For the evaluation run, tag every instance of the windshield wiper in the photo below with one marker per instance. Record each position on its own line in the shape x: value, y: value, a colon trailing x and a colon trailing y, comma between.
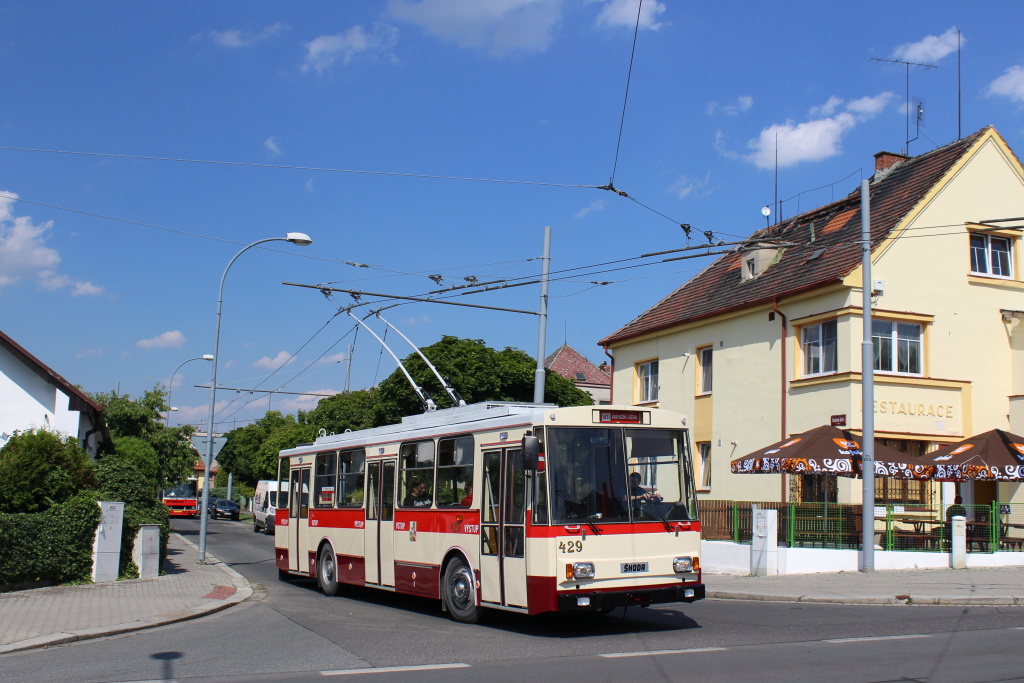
x: 589, y: 519
x: 658, y: 513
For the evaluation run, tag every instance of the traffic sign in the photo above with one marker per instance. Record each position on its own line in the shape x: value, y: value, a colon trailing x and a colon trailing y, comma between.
x: 200, y: 442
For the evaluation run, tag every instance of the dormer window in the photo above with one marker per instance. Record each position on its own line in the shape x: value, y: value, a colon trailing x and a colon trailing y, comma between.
x: 756, y: 259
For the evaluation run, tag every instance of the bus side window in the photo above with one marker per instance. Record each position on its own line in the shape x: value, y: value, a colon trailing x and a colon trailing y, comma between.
x: 455, y: 472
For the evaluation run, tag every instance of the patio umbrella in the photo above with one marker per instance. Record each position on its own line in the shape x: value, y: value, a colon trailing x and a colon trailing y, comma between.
x: 994, y: 455
x: 828, y: 450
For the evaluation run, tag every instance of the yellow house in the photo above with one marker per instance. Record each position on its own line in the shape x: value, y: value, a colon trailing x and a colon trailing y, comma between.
x: 766, y: 342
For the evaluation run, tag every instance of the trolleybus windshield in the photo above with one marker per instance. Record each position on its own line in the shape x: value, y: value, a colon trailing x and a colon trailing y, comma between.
x: 618, y: 475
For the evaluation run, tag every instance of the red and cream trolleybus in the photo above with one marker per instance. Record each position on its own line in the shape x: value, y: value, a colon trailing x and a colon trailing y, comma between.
x: 523, y: 507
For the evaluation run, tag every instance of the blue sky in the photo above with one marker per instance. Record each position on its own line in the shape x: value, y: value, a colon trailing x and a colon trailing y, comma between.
x: 428, y: 137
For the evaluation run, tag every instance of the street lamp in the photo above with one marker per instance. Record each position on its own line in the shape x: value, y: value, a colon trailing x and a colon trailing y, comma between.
x: 298, y: 238
x: 170, y: 385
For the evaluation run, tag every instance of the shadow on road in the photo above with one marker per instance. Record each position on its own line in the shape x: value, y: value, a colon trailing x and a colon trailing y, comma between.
x: 619, y: 621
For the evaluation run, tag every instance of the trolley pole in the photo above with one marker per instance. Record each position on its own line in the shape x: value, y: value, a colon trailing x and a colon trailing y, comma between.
x: 542, y: 326
x: 867, y: 362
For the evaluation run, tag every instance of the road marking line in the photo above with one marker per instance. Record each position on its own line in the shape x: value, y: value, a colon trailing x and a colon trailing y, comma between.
x: 393, y: 669
x: 870, y: 638
x: 649, y: 653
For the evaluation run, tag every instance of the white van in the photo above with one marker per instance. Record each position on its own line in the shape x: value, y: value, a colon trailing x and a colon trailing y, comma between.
x: 264, y: 502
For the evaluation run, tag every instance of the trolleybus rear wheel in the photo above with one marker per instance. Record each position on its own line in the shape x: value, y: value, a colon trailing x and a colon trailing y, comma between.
x: 327, y: 571
x: 460, y: 592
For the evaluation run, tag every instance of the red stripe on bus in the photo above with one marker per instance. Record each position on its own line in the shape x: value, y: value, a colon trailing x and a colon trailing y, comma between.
x: 417, y: 579
x: 454, y: 521
x: 351, y: 569
x: 623, y: 529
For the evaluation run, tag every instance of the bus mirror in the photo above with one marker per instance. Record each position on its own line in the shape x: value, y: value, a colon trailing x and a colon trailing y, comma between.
x: 531, y: 452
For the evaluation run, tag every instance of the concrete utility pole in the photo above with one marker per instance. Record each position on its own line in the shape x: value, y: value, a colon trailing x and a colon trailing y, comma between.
x: 867, y: 361
x: 542, y: 327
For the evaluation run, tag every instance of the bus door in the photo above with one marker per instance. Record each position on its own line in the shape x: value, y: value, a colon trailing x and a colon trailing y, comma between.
x: 298, y: 520
x: 379, y: 541
x: 503, y: 533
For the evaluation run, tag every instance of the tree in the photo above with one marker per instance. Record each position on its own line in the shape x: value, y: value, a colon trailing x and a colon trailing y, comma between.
x: 348, y: 410
x: 164, y: 454
x: 251, y: 452
x: 40, y: 469
x: 478, y: 372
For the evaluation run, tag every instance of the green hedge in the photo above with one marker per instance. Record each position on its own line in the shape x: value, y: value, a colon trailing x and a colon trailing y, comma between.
x: 54, y: 546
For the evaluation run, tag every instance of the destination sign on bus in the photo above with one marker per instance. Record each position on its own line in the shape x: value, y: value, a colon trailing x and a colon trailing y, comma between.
x: 633, y: 417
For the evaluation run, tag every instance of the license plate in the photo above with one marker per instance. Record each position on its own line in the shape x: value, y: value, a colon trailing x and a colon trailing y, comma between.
x: 633, y: 567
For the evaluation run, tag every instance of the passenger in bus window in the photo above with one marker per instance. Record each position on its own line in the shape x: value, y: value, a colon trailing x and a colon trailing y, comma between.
x: 418, y: 496
x: 467, y: 500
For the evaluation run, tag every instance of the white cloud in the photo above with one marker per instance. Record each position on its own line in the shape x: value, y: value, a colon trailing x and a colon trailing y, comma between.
x: 25, y: 256
x: 686, y: 186
x: 291, y: 404
x: 498, y: 27
x: 415, y: 321
x: 91, y: 353
x: 1010, y: 84
x: 308, y: 186
x: 743, y: 103
x: 323, y: 51
x: 280, y: 360
x: 816, y: 139
x: 930, y: 48
x: 623, y: 13
x: 168, y: 340
x: 273, y: 149
x: 336, y: 358
x: 236, y: 38
x: 590, y: 208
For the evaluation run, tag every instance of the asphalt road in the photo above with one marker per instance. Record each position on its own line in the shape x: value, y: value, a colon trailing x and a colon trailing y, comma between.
x: 289, y: 631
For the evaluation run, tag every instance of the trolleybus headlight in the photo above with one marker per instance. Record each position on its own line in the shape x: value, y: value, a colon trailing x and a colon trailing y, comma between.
x: 579, y: 570
x: 684, y: 565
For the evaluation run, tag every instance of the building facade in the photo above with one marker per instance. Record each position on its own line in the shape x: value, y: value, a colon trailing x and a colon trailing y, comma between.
x: 32, y: 395
x: 766, y: 342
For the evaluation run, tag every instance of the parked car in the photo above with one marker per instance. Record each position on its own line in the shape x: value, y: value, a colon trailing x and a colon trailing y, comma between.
x: 224, y: 508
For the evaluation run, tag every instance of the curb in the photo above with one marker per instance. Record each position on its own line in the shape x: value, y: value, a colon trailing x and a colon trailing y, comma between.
x: 894, y: 600
x: 243, y: 591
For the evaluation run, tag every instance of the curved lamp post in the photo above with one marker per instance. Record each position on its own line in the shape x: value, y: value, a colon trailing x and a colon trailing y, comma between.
x: 298, y: 238
x: 170, y: 385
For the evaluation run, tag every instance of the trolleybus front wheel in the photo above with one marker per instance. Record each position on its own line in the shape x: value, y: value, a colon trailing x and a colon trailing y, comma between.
x: 460, y: 592
x: 327, y: 571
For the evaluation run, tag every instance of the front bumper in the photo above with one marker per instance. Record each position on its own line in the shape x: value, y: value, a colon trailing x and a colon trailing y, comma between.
x: 641, y: 597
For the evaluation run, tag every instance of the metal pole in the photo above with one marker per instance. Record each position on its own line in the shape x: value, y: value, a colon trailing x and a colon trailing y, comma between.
x: 867, y: 389
x: 208, y: 458
x: 542, y: 326
x: 170, y: 385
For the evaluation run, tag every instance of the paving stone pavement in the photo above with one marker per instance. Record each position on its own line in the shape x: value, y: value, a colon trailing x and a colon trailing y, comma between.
x: 62, y: 614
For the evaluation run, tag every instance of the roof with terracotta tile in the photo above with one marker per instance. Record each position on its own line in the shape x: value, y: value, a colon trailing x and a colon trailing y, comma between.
x: 567, y: 362
x: 833, y: 229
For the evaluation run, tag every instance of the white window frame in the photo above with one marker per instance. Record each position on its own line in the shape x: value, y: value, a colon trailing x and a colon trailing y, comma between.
x: 647, y: 381
x: 704, y: 465
x: 819, y: 359
x: 991, y: 255
x: 897, y: 343
x: 705, y: 377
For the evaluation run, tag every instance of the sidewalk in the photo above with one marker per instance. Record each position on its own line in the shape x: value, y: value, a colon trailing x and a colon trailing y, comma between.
x: 975, y: 586
x: 62, y: 614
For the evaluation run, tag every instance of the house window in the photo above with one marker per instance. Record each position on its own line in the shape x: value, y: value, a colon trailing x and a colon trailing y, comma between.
x: 647, y: 381
x: 896, y: 346
x: 990, y: 255
x: 820, y: 349
x: 704, y: 360
x: 704, y: 452
x: 890, y: 491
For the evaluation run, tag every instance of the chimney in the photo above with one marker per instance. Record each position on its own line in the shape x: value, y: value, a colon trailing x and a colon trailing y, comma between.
x: 885, y: 160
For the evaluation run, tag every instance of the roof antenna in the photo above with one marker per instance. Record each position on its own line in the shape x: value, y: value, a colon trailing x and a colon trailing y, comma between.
x: 906, y: 148
x: 428, y: 403
x: 457, y: 400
